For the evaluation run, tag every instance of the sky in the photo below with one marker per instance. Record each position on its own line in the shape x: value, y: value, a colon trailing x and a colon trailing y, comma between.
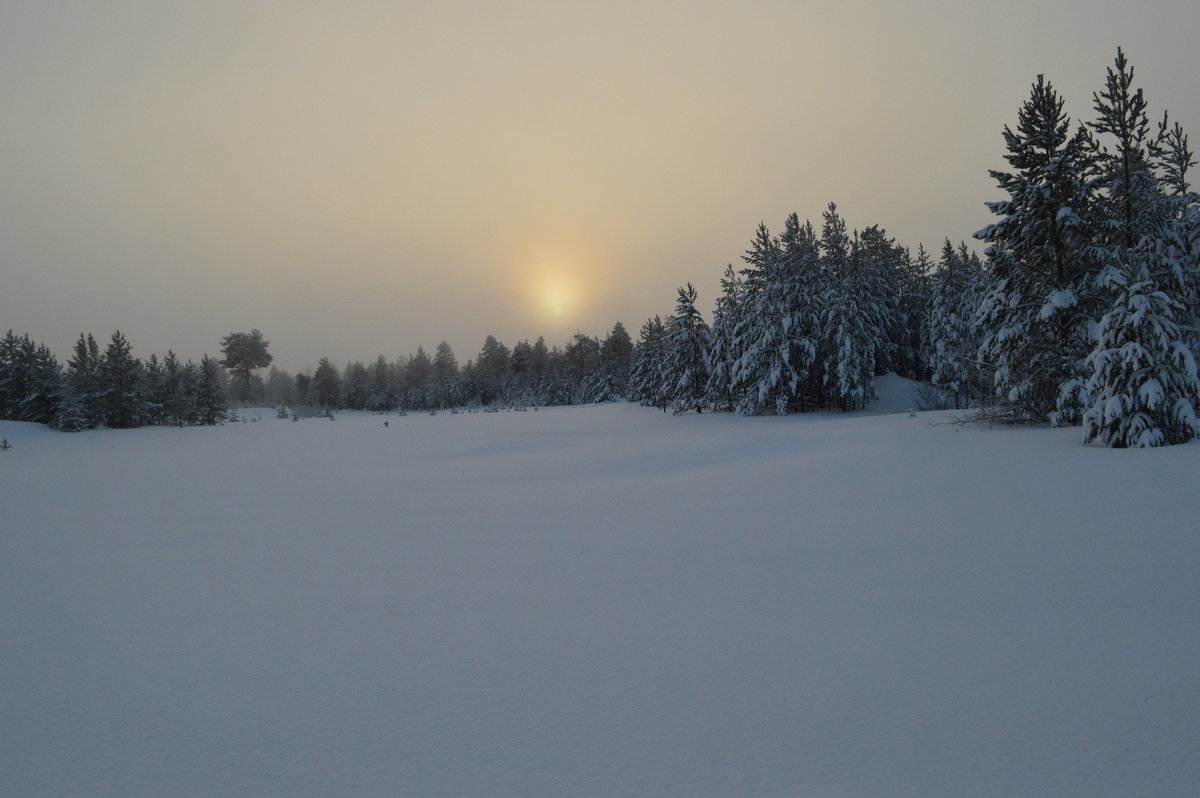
x: 360, y: 178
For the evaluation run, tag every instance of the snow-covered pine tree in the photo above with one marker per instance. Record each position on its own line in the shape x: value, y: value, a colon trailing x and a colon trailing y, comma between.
x: 9, y: 376
x: 179, y: 388
x: 70, y: 416
x: 210, y: 402
x: 356, y: 386
x: 1173, y: 157
x: 951, y: 335
x: 154, y: 391
x: 582, y: 361
x: 723, y: 354
x: 780, y: 322
x: 120, y: 384
x: 647, y: 383
x: 914, y: 289
x: 244, y: 353
x: 31, y: 383
x: 30, y: 380
x: 381, y: 396
x: 327, y: 385
x: 445, y: 370
x: 492, y: 370
x: 519, y: 365
x: 1130, y: 204
x: 754, y: 336
x: 616, y: 352
x: 1037, y: 319
x: 1144, y: 386
x: 418, y: 374
x: 848, y: 342
x: 878, y: 267
x: 686, y: 372
x: 83, y: 378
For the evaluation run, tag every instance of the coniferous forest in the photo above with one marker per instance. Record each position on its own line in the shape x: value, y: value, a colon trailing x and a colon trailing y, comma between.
x: 1084, y: 310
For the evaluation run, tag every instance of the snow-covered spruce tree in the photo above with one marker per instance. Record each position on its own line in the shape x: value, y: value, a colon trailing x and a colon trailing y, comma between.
x: 686, y: 372
x: 616, y: 353
x: 179, y: 388
x: 153, y: 391
x: 356, y: 386
x: 727, y: 314
x: 1130, y: 203
x: 914, y: 287
x: 581, y: 359
x: 519, y: 369
x: 1144, y: 386
x: 951, y: 335
x: 30, y: 380
x: 418, y: 374
x: 83, y: 378
x: 10, y: 376
x: 445, y: 372
x: 779, y: 324
x: 381, y: 396
x: 1038, y: 317
x: 211, y: 405
x: 120, y: 384
x: 327, y: 386
x: 848, y: 341
x: 1173, y: 157
x: 70, y: 416
x: 750, y: 371
x: 492, y: 370
x: 878, y: 266
x: 36, y: 385
x: 647, y: 382
x: 600, y: 386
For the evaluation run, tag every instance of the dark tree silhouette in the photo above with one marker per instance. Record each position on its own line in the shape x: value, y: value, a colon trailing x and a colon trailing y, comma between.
x: 244, y: 352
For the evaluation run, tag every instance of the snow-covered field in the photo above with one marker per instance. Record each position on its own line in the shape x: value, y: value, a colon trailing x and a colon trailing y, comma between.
x: 597, y: 601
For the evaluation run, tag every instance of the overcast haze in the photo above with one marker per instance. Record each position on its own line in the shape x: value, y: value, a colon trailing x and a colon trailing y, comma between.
x: 358, y: 178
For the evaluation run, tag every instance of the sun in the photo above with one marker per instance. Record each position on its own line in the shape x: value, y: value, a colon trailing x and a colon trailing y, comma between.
x: 556, y: 299
x: 556, y: 293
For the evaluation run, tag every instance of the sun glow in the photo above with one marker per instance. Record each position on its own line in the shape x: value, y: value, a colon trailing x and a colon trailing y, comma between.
x: 556, y: 293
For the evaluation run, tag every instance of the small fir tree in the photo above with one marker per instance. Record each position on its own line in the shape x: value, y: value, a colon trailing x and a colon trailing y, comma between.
x: 1144, y: 385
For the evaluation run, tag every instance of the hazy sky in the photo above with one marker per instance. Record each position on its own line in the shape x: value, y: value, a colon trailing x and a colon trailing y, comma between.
x: 358, y: 178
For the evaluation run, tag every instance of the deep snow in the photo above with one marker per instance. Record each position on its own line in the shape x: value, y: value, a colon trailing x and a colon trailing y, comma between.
x: 600, y: 601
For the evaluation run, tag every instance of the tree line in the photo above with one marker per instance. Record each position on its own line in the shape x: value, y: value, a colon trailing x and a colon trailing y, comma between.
x: 107, y: 388
x: 110, y: 387
x: 586, y: 369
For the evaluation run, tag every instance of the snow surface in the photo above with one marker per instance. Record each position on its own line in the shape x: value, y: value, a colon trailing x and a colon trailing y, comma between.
x: 597, y: 601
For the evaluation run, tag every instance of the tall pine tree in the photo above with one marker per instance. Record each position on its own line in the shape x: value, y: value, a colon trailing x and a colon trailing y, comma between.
x: 1037, y: 318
